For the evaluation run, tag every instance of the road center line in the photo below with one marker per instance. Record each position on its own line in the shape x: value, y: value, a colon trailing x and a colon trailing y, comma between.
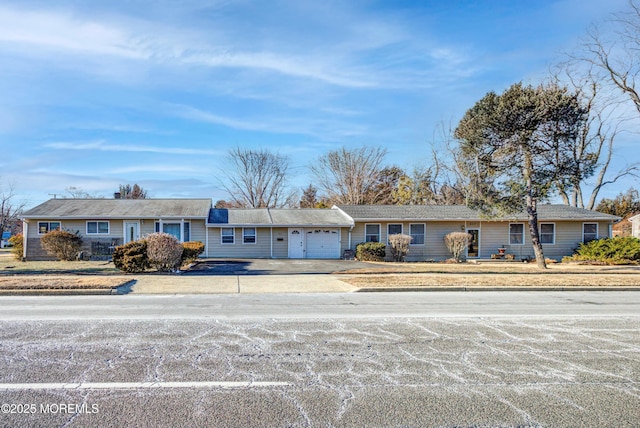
x: 136, y: 385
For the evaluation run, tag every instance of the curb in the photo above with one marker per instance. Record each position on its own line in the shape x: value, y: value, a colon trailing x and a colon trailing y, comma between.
x: 60, y: 292
x: 471, y: 289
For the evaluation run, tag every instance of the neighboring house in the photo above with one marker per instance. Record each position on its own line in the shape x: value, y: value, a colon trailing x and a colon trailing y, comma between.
x: 308, y: 233
x: 106, y: 223
x: 635, y: 225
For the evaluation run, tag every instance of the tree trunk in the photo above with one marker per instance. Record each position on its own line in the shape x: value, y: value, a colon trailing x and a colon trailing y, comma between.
x: 532, y: 211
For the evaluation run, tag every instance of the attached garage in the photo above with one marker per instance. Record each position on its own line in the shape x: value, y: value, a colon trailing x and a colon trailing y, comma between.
x: 322, y: 243
x: 279, y: 233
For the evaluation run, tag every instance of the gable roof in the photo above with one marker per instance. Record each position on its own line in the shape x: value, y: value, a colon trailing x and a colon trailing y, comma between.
x: 278, y: 217
x: 120, y: 208
x: 546, y: 212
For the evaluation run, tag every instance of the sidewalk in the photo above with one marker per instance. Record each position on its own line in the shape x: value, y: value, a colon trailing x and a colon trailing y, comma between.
x: 243, y: 284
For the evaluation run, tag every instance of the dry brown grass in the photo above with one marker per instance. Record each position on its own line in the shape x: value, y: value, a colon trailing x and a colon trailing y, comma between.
x: 491, y: 275
x: 492, y: 280
x: 60, y: 282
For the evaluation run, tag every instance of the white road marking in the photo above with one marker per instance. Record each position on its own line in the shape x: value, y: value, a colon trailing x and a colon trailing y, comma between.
x: 136, y: 385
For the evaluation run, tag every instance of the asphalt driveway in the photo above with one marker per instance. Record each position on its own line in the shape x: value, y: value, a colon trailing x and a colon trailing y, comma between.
x: 272, y: 267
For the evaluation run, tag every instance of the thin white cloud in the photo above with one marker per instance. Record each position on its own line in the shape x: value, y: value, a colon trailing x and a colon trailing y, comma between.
x: 102, y: 146
x: 63, y: 32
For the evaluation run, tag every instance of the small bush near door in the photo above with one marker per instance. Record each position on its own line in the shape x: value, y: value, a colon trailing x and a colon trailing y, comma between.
x: 131, y: 257
x: 371, y: 251
x: 62, y: 244
x: 192, y: 251
x: 164, y: 251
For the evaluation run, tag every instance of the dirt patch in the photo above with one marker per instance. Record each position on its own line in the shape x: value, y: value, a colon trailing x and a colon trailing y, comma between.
x: 47, y: 282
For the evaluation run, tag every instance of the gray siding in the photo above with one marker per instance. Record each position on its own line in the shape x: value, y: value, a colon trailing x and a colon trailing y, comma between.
x: 261, y: 249
x: 114, y: 237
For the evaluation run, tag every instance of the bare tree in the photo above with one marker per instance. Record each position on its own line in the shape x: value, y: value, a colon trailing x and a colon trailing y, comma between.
x: 258, y: 179
x: 127, y: 191
x: 350, y: 176
x: 593, y: 150
x: 9, y: 209
x: 614, y: 49
x: 79, y: 193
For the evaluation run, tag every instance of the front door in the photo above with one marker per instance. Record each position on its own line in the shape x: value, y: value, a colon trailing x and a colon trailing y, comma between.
x: 473, y: 251
x: 131, y: 231
x: 296, y: 243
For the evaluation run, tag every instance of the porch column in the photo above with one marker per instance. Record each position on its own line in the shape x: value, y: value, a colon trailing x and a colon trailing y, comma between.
x: 25, y: 235
x: 270, y: 239
x: 181, y: 230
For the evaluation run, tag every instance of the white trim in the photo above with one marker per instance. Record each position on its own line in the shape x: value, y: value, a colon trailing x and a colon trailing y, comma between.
x: 233, y: 235
x: 379, y: 231
x: 554, y: 233
x: 97, y: 222
x: 255, y: 236
x: 424, y: 234
x: 124, y: 230
x: 509, y: 234
x: 597, y: 229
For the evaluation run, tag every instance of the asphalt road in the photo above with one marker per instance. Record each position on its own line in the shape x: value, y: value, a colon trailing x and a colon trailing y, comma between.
x: 465, y: 359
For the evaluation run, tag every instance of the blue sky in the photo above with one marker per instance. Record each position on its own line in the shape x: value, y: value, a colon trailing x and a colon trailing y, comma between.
x: 102, y: 92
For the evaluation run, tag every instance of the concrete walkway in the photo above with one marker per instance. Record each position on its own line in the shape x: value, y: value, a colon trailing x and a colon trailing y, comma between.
x: 234, y: 284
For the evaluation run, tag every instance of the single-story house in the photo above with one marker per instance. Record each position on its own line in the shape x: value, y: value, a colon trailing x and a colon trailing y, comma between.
x: 107, y: 223
x: 307, y: 233
x: 635, y: 225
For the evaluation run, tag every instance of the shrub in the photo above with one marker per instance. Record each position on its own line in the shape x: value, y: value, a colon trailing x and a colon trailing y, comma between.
x: 164, y: 251
x: 192, y: 250
x: 370, y: 251
x: 457, y: 243
x: 618, y: 250
x: 62, y: 244
x: 399, y: 246
x: 131, y: 257
x: 17, y: 243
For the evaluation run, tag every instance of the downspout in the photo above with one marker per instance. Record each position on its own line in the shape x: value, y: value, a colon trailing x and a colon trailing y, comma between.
x: 206, y: 239
x: 271, y: 239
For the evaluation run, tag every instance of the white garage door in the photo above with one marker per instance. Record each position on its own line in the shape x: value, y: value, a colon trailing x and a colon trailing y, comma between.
x: 323, y: 243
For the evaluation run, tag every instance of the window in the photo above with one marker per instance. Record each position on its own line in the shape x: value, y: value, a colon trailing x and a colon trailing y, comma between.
x: 47, y: 226
x: 371, y: 233
x: 249, y: 235
x: 547, y: 233
x: 589, y: 232
x: 227, y: 235
x: 174, y: 229
x: 516, y: 234
x: 97, y: 228
x: 417, y: 233
x: 393, y: 229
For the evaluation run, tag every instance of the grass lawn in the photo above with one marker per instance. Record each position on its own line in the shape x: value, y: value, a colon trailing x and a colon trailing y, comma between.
x: 61, y: 282
x: 9, y: 265
x: 491, y: 275
x: 54, y: 275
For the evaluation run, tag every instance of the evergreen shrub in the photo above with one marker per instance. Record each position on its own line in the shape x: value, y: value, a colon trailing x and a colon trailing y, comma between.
x: 131, y: 257
x: 371, y: 251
